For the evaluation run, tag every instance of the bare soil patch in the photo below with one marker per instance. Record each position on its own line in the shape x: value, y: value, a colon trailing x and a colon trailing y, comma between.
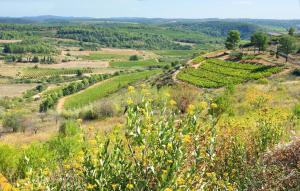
x: 77, y: 64
x: 126, y: 52
x: 13, y: 90
x: 10, y: 41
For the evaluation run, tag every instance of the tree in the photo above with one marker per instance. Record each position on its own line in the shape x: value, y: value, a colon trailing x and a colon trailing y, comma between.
x: 260, y: 40
x: 233, y: 39
x: 287, y: 45
x: 35, y: 59
x: 134, y: 58
x: 292, y: 31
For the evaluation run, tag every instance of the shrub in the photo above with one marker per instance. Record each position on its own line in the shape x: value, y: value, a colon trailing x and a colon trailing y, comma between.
x: 105, y: 109
x: 34, y: 158
x: 8, y: 160
x: 134, y: 58
x: 69, y: 128
x: 13, y: 121
x: 184, y: 96
x: 296, y: 72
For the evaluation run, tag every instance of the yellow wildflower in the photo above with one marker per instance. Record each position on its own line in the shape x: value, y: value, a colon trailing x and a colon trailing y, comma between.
x: 168, y: 189
x: 143, y: 85
x: 90, y: 186
x: 203, y: 105
x: 172, y: 102
x: 214, y: 105
x: 129, y: 186
x: 131, y: 89
x: 93, y: 142
x: 129, y: 101
x: 191, y: 109
x: 180, y: 181
x: 67, y: 167
x: 114, y: 186
x: 170, y: 146
x: 91, y: 128
x: 167, y: 94
x: 187, y: 139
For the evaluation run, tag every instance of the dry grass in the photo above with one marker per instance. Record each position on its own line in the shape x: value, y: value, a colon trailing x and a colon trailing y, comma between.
x: 125, y: 52
x: 103, y: 127
x: 13, y: 90
x: 19, y: 139
x: 47, y: 130
x: 9, y: 70
x: 77, y: 64
x: 10, y: 41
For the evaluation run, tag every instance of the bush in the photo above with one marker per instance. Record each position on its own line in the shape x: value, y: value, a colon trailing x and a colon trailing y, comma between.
x: 8, y: 160
x: 69, y: 128
x: 184, y: 96
x: 35, y: 157
x: 13, y: 121
x: 296, y: 72
x: 134, y: 58
x: 105, y: 109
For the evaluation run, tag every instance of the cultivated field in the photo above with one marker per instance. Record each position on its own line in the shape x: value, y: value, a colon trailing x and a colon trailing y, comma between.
x: 215, y: 73
x: 105, y: 88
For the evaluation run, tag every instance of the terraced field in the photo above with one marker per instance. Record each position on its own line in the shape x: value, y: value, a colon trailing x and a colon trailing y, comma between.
x: 214, y: 73
x: 106, y: 88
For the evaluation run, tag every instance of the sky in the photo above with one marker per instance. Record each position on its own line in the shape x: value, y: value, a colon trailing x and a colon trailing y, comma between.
x: 268, y: 9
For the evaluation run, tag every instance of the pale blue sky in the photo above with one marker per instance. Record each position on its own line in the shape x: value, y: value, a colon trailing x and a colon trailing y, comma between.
x: 278, y: 9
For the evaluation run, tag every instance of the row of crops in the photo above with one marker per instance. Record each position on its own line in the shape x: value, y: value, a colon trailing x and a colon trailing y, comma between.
x: 47, y: 72
x: 106, y: 88
x: 141, y: 63
x: 214, y: 73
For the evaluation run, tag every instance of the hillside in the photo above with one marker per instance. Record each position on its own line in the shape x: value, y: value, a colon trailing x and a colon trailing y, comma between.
x: 149, y: 104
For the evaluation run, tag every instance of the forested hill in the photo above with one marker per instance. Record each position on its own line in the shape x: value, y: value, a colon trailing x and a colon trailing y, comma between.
x: 218, y: 28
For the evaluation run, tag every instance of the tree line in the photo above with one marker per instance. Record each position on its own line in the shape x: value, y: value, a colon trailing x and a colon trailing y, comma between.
x: 286, y: 44
x: 112, y: 37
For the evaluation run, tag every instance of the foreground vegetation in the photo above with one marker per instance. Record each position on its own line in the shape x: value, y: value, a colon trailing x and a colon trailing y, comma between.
x: 210, y: 147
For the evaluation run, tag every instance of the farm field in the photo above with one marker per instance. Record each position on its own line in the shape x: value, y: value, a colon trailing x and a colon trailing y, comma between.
x: 43, y: 72
x: 106, y: 88
x: 176, y: 53
x: 103, y: 56
x: 77, y: 64
x: 215, y: 73
x: 141, y: 63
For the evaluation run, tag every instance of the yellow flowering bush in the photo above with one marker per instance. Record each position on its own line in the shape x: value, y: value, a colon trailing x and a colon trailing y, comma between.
x: 159, y: 148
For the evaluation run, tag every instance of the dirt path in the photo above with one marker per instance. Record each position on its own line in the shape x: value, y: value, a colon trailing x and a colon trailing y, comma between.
x: 190, y: 63
x: 61, y: 102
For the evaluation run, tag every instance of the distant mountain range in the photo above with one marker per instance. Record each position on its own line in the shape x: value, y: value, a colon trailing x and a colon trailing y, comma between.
x: 59, y: 19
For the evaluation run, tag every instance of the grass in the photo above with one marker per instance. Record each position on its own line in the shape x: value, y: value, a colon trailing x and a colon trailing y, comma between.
x: 103, y: 56
x: 215, y: 73
x: 176, y: 53
x: 106, y: 88
x: 141, y: 63
x: 42, y: 72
